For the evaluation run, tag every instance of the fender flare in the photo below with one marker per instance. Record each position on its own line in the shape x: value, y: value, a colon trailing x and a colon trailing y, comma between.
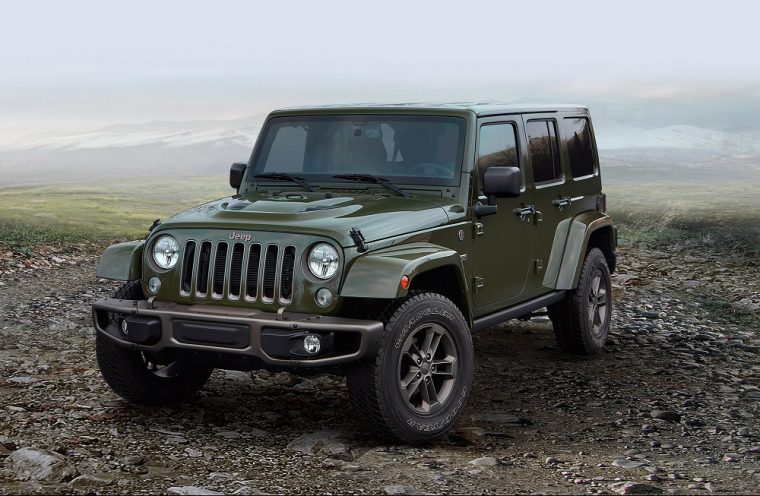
x: 378, y: 274
x: 122, y: 261
x: 571, y: 240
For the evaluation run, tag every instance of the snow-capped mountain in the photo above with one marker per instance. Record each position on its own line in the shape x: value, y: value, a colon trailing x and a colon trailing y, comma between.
x: 209, y: 147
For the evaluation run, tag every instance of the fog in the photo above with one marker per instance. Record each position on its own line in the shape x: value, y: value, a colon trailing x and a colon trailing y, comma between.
x: 79, y: 65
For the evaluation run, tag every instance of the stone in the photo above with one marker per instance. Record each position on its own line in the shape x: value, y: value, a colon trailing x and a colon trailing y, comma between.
x: 634, y: 488
x: 90, y: 481
x: 399, y: 489
x: 626, y: 463
x: 668, y: 415
x: 192, y: 491
x: 324, y: 442
x: 40, y: 465
x: 484, y: 461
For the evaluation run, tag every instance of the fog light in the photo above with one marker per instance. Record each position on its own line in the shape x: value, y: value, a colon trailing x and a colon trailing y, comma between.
x: 154, y: 285
x: 124, y: 328
x: 324, y: 297
x: 312, y: 344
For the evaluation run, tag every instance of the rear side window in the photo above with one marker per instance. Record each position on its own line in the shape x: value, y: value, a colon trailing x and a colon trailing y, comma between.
x: 544, y: 152
x: 579, y: 146
x: 497, y: 146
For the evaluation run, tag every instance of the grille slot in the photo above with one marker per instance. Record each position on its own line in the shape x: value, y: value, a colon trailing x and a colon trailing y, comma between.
x: 188, y: 264
x: 236, y: 269
x: 204, y: 263
x: 270, y: 272
x: 252, y: 277
x: 286, y: 279
x: 220, y: 261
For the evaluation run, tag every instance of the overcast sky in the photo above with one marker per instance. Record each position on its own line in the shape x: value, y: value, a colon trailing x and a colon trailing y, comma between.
x: 75, y: 65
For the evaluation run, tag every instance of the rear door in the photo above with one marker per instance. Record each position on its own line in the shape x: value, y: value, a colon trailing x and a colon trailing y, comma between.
x: 550, y: 189
x: 503, y: 242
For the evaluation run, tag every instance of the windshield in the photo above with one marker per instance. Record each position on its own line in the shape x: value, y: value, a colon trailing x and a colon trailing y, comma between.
x: 403, y: 149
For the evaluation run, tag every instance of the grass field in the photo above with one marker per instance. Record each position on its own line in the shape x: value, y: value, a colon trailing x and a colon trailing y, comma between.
x: 97, y: 213
x: 719, y: 216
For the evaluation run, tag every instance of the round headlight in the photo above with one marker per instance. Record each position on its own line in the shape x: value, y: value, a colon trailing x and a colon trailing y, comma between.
x: 165, y: 252
x: 323, y: 261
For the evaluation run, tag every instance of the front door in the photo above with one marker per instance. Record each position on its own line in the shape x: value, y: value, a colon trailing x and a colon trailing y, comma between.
x: 503, y: 241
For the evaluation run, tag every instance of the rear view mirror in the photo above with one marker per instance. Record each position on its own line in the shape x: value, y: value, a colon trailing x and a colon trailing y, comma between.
x: 502, y: 182
x: 236, y: 174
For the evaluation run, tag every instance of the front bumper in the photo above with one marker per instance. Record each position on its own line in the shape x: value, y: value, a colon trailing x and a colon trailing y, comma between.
x: 236, y: 332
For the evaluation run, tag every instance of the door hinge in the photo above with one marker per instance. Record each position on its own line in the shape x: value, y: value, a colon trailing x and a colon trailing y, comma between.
x: 538, y: 265
x: 480, y: 229
x: 478, y: 282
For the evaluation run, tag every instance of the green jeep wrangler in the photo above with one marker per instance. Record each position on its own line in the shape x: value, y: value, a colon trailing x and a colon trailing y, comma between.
x: 370, y: 241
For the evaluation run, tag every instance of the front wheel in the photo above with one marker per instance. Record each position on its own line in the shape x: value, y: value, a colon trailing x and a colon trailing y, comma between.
x: 416, y: 387
x: 144, y: 378
x: 582, y: 320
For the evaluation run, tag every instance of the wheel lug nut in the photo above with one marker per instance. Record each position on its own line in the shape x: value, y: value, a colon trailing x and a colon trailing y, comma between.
x: 428, y: 357
x: 418, y: 375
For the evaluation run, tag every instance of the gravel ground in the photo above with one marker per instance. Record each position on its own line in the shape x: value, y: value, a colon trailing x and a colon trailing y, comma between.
x: 671, y: 405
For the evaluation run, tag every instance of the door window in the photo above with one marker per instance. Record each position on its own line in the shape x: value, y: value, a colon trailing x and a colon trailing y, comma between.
x: 544, y: 152
x: 579, y: 146
x: 498, y: 146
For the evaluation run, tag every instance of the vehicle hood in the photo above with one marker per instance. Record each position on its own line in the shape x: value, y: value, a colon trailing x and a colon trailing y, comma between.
x: 377, y: 216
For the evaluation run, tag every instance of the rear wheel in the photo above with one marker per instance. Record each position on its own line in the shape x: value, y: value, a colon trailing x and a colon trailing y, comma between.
x: 582, y: 320
x: 417, y: 385
x: 144, y: 378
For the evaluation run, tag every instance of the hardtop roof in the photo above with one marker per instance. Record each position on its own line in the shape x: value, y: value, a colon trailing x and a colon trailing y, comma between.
x: 478, y: 108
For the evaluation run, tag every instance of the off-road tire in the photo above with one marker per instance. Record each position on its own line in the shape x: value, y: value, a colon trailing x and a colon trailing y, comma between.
x: 128, y: 374
x: 374, y: 386
x: 574, y: 318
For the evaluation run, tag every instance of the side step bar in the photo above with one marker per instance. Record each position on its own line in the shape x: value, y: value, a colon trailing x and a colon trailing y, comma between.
x: 492, y: 319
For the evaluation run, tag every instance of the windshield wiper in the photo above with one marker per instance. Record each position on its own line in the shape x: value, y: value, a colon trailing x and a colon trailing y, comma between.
x: 281, y: 176
x: 369, y: 178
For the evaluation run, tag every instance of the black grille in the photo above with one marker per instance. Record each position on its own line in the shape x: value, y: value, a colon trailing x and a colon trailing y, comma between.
x: 270, y: 272
x: 187, y: 267
x: 203, y: 266
x: 286, y: 281
x: 236, y: 269
x: 219, y: 263
x: 252, y: 279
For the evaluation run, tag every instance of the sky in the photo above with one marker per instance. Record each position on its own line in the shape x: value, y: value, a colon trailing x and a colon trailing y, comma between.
x: 75, y: 65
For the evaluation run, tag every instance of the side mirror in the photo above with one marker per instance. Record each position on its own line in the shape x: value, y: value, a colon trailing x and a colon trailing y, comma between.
x: 236, y: 174
x: 502, y: 182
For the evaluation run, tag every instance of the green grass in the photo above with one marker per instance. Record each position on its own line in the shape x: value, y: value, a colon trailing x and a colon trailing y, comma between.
x: 94, y: 214
x: 721, y: 217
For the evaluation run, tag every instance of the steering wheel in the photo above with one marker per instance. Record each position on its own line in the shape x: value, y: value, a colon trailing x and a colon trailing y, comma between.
x: 441, y: 170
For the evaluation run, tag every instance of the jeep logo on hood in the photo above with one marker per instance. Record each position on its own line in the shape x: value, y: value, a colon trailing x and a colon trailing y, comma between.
x: 240, y: 236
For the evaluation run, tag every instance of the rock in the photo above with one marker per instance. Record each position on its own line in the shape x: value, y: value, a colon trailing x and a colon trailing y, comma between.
x: 731, y: 457
x: 634, y: 488
x: 484, y: 461
x: 551, y: 461
x: 627, y: 464
x: 192, y: 491
x: 90, y: 481
x: 40, y: 465
x: 324, y: 442
x: 668, y: 415
x: 399, y: 489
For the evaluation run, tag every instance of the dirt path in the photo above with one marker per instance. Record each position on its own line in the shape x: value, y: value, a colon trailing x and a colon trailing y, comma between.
x: 673, y: 403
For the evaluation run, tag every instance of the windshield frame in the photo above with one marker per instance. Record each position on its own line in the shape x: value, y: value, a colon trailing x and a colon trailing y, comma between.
x: 266, y: 140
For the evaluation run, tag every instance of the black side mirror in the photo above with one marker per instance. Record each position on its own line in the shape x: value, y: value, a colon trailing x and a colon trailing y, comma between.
x: 236, y: 174
x: 502, y: 182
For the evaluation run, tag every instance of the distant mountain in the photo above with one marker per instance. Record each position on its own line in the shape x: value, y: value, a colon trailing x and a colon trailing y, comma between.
x: 209, y: 147
x: 150, y: 149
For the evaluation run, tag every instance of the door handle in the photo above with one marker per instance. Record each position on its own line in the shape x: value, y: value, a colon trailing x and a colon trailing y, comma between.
x: 562, y: 202
x: 524, y: 212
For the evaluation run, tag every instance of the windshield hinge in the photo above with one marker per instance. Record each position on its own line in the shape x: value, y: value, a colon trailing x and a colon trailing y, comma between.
x: 356, y: 235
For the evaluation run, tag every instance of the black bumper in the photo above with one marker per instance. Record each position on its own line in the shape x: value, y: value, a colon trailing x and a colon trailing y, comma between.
x: 275, y: 339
